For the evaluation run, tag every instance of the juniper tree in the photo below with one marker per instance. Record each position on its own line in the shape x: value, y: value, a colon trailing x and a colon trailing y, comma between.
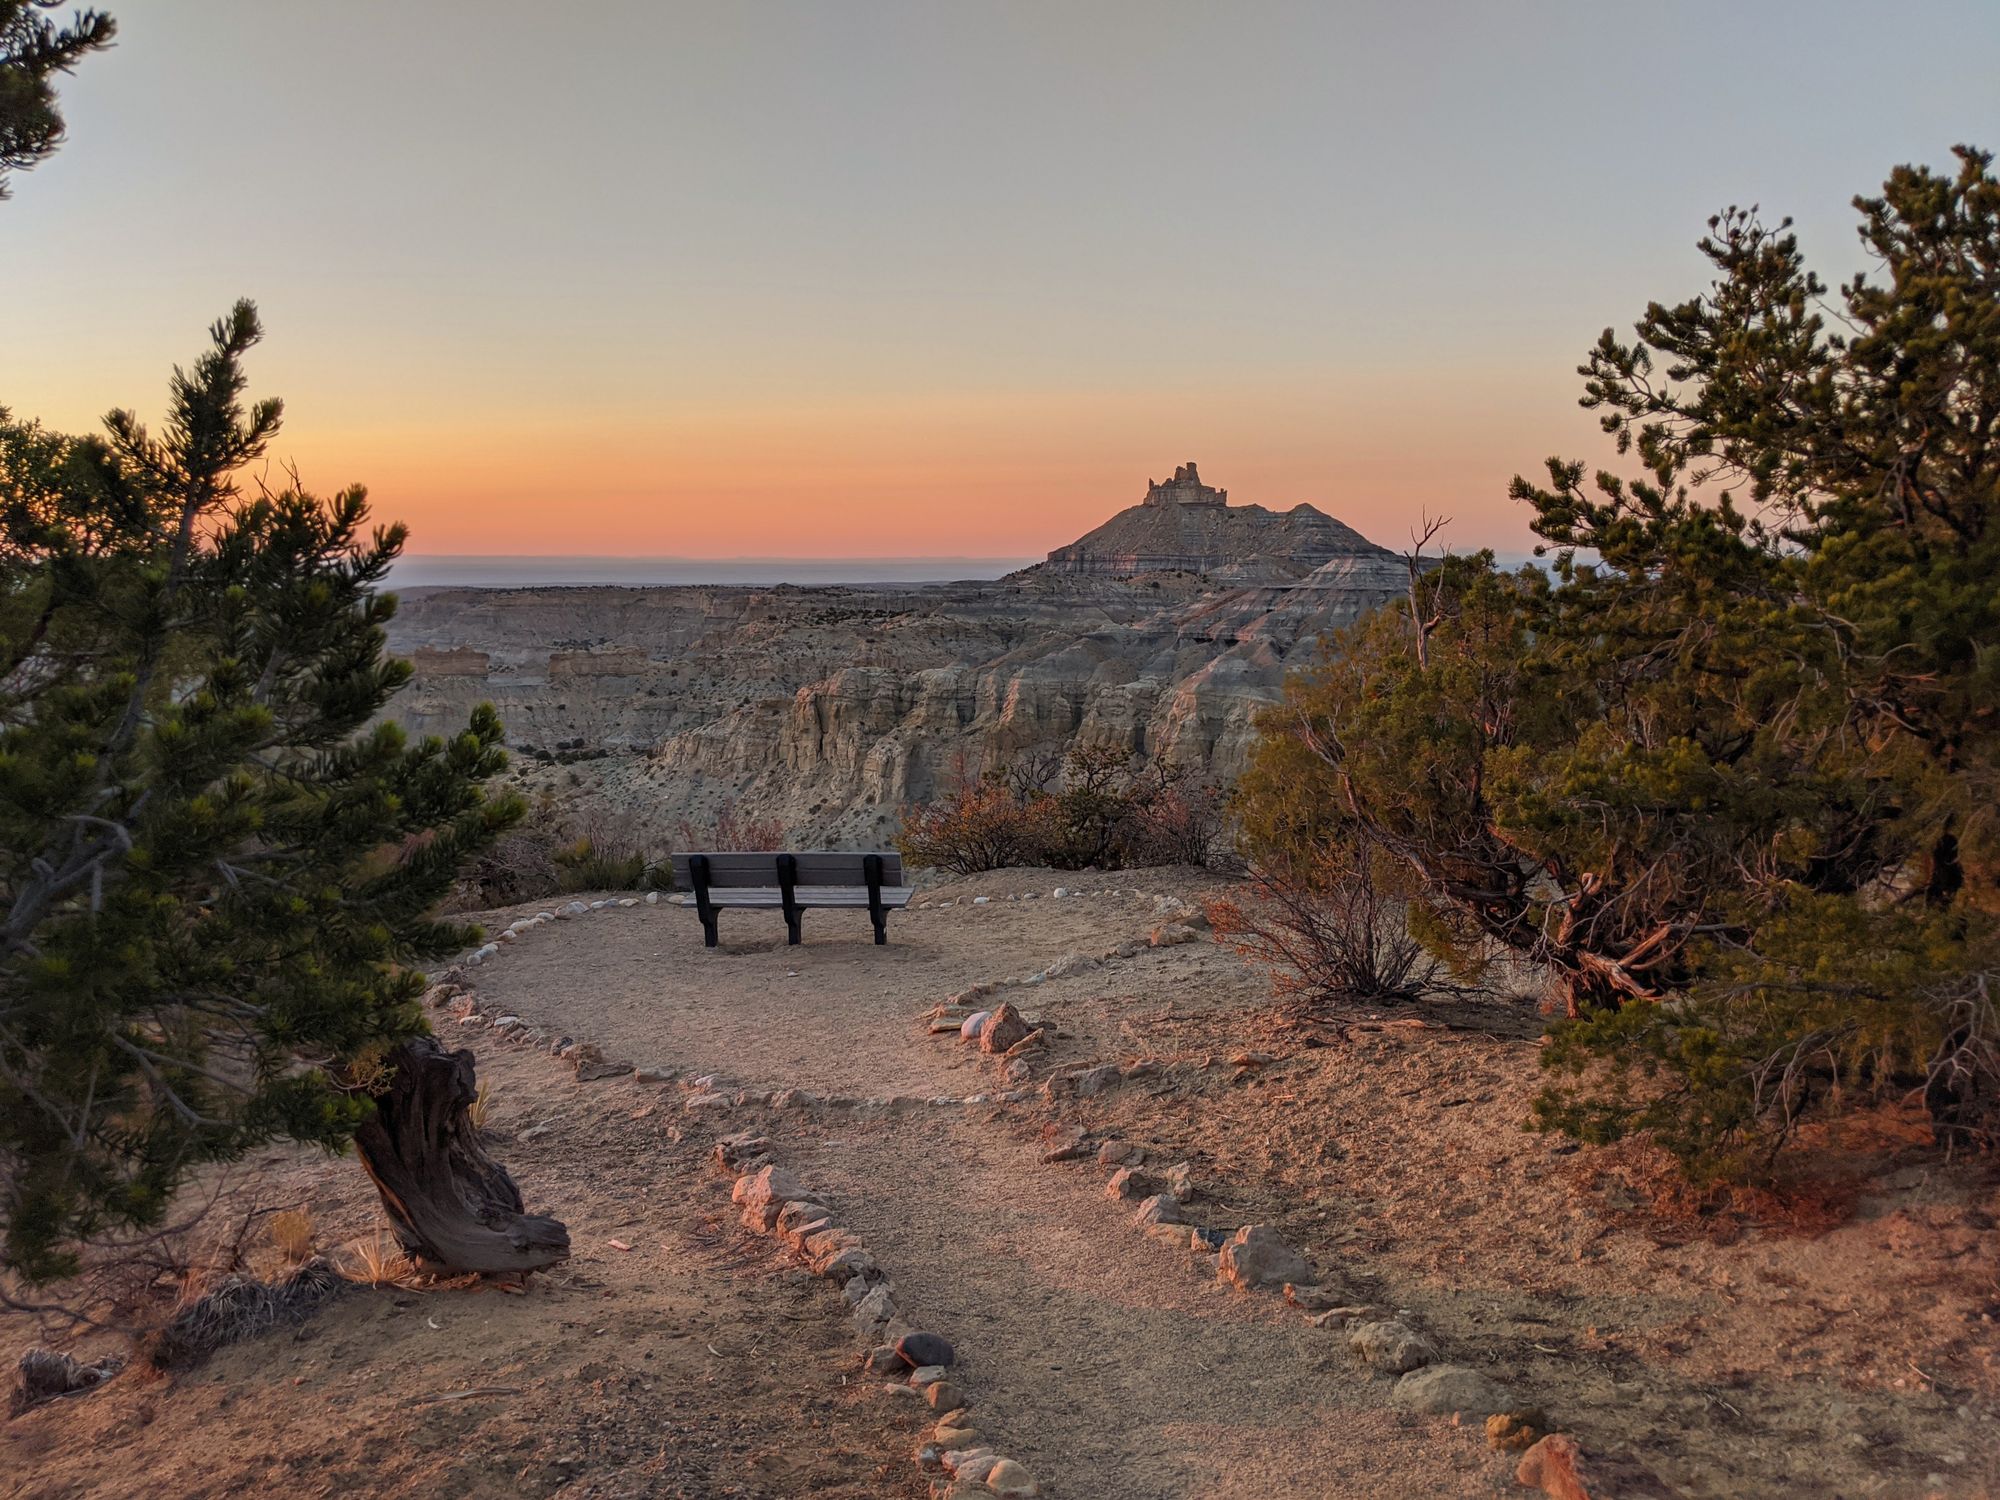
x: 1728, y: 771
x: 216, y: 866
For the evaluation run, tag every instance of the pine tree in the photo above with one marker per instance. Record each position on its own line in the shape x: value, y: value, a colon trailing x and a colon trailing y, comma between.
x: 216, y: 866
x: 33, y: 50
x: 1728, y: 772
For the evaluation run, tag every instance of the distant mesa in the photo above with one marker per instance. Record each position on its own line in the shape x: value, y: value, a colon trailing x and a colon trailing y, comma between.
x: 1184, y: 525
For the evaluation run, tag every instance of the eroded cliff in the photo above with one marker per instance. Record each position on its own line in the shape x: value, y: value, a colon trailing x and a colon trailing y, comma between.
x: 835, y: 707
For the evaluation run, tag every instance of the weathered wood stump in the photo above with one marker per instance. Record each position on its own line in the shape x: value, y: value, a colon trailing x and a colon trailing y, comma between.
x: 453, y: 1206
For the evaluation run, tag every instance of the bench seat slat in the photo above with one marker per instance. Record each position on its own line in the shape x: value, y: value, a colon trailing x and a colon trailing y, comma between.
x: 807, y: 896
x: 814, y: 868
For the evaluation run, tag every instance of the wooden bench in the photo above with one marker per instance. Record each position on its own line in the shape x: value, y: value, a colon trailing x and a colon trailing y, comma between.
x: 790, y: 883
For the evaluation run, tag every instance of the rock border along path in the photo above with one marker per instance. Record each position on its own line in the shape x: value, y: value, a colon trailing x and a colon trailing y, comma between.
x: 1251, y: 1259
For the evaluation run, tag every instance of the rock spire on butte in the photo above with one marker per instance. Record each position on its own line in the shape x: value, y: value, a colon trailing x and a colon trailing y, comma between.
x: 1184, y: 525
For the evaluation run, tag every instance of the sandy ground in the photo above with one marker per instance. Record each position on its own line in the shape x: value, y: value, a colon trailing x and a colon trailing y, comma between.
x: 696, y: 1364
x: 1741, y: 1351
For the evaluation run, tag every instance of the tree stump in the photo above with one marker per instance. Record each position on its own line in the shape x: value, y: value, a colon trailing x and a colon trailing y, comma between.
x: 453, y: 1206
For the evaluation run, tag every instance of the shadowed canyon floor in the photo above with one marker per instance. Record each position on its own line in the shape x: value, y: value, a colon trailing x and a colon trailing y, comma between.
x: 1727, y: 1354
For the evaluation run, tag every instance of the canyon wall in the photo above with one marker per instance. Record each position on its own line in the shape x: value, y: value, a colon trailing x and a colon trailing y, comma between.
x: 833, y: 708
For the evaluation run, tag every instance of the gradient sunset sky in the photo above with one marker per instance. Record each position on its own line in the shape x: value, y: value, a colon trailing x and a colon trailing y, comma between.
x: 937, y: 278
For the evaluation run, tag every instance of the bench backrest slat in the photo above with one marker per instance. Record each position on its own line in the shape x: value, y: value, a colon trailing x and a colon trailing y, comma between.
x: 823, y: 867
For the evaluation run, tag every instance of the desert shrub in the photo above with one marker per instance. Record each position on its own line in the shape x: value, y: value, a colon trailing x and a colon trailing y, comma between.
x: 554, y: 851
x: 1175, y: 819
x: 731, y: 829
x: 481, y: 1106
x: 590, y: 865
x: 975, y: 826
x: 1726, y: 771
x: 1331, y: 927
x: 1089, y: 809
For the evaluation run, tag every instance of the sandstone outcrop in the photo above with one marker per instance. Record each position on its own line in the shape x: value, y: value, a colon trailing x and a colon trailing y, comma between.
x: 834, y: 708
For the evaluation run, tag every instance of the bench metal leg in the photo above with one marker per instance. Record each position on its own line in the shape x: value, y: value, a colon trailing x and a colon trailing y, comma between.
x: 788, y: 878
x: 871, y: 871
x: 698, y: 868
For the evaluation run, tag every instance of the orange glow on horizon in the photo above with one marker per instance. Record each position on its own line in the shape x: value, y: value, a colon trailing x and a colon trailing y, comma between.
x: 1009, y: 477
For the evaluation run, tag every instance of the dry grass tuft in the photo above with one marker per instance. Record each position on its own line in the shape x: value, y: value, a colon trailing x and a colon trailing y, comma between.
x: 482, y: 1102
x: 295, y: 1235
x: 377, y: 1260
x: 237, y: 1308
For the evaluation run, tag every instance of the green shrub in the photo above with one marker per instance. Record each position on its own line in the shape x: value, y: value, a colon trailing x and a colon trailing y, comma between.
x: 1727, y: 772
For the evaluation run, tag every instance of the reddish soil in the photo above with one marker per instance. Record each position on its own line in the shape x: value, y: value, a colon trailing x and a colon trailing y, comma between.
x: 1838, y: 1342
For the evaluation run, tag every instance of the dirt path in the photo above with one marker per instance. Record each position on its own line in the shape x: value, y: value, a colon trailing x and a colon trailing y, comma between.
x: 1107, y: 1366
x: 833, y: 1015
x: 1099, y: 1360
x: 1729, y: 1355
x: 1717, y: 1352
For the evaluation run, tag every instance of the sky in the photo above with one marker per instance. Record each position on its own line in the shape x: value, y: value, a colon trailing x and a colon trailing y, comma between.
x: 940, y: 278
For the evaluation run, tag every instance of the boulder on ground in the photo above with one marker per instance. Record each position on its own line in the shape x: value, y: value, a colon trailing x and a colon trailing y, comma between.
x: 1389, y: 1346
x: 1010, y: 1479
x: 765, y: 1185
x: 1556, y: 1467
x: 967, y: 1464
x: 1257, y: 1257
x: 794, y: 1214
x: 1004, y: 1027
x: 1029, y: 1043
x: 1064, y: 1143
x: 1444, y: 1389
x: 1074, y: 963
x: 1130, y: 1182
x: 956, y: 1432
x: 874, y: 1310
x: 850, y: 1263
x: 1161, y: 1208
x: 920, y: 1349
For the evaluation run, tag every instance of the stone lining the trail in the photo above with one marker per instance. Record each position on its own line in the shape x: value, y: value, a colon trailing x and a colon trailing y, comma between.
x: 519, y: 928
x: 1253, y: 1259
x: 1256, y: 1260
x: 775, y: 1204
